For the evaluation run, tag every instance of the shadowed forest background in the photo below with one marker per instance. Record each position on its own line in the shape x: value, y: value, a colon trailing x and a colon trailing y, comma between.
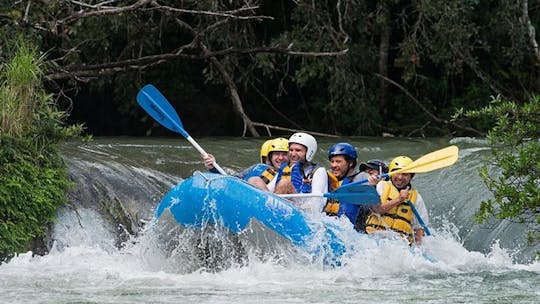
x: 240, y: 68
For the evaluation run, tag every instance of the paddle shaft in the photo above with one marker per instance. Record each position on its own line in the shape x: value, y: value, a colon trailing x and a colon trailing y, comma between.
x: 159, y: 108
x: 432, y: 161
x: 204, y: 154
x: 419, y: 218
x: 356, y: 198
x: 179, y: 129
x: 302, y: 195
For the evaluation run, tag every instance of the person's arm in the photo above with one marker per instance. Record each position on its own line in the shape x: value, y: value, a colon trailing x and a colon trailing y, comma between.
x: 371, y: 179
x: 419, y: 236
x: 361, y: 176
x: 417, y: 228
x: 272, y: 184
x: 387, y: 205
x: 319, y: 184
x: 245, y: 172
x: 208, y: 161
x: 374, y: 179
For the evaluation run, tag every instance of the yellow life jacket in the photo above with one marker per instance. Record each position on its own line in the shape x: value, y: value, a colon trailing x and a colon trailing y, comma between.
x: 399, y: 218
x: 268, y: 174
x: 332, y: 205
x: 285, y: 172
x: 333, y: 181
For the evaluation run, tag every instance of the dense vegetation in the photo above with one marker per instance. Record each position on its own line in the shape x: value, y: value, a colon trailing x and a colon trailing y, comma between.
x: 33, y: 179
x: 516, y: 153
x: 341, y: 67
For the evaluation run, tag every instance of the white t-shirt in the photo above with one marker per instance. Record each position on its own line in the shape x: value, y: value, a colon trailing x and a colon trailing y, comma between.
x: 319, y: 184
x: 272, y: 184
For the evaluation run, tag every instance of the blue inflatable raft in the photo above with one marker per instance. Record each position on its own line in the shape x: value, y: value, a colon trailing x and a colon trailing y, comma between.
x: 209, y: 198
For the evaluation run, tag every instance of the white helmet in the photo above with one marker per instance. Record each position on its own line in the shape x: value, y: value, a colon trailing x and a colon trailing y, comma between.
x: 307, y: 141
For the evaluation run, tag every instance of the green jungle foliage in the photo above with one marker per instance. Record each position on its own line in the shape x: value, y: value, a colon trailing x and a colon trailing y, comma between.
x: 515, y: 158
x: 398, y: 66
x: 33, y: 183
x: 33, y: 179
x: 405, y: 66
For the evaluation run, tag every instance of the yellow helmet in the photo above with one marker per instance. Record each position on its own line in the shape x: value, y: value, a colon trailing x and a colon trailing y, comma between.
x: 264, y: 150
x: 399, y: 162
x: 279, y: 144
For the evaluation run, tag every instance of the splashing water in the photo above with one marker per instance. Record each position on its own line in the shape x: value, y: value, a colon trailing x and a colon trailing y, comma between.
x: 83, y: 266
x: 167, y: 264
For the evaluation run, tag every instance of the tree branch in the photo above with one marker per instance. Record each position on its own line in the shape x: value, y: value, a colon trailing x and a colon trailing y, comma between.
x: 531, y: 32
x: 101, y: 10
x: 228, y: 14
x: 81, y: 14
x: 152, y: 60
x: 469, y: 60
x: 268, y: 127
x: 425, y: 110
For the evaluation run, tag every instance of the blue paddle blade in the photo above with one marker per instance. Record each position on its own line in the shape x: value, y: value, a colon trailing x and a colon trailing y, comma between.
x: 355, y: 198
x: 157, y: 106
x: 356, y: 188
x: 356, y: 194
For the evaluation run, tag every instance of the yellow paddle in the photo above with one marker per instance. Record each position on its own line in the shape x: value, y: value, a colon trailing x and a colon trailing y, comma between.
x: 432, y: 161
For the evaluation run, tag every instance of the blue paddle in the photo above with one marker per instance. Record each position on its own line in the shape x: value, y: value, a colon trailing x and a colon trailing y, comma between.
x: 355, y: 195
x: 157, y: 106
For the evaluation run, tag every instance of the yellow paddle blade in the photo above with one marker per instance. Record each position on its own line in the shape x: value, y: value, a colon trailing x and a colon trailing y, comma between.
x: 432, y: 161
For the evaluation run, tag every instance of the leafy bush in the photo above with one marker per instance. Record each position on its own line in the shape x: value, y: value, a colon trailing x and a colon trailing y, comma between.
x: 33, y: 183
x: 515, y: 142
x: 33, y: 179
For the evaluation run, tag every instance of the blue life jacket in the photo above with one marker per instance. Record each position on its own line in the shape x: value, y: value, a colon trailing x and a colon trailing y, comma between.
x: 300, y: 177
x: 255, y: 170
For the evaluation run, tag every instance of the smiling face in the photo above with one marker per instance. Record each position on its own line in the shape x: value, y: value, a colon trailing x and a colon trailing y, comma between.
x: 277, y: 158
x: 297, y: 152
x: 339, y: 166
x: 401, y: 180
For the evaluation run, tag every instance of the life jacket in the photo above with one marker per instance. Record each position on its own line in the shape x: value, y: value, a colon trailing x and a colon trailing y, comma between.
x: 333, y: 181
x: 300, y: 177
x: 399, y: 218
x: 264, y: 171
x: 333, y: 206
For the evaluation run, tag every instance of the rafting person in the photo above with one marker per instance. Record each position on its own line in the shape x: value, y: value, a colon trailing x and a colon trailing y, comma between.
x: 394, y: 213
x: 343, y: 158
x: 373, y: 167
x: 263, y: 175
x: 301, y: 174
x: 273, y: 155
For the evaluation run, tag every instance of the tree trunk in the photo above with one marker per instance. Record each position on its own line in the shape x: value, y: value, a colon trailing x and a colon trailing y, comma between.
x: 235, y: 98
x: 531, y: 32
x: 384, y: 46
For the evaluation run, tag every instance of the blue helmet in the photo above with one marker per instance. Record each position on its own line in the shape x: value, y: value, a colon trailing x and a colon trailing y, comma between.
x: 343, y: 149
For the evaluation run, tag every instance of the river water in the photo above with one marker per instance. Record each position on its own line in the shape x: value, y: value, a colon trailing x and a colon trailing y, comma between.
x: 473, y: 263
